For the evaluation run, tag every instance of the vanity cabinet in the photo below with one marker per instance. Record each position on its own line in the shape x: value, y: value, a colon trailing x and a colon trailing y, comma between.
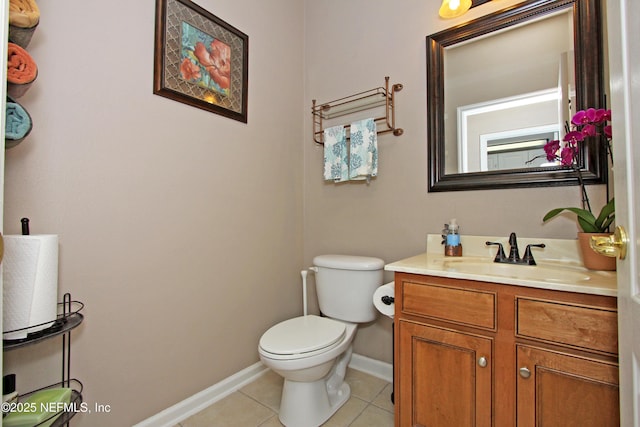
x: 448, y: 377
x: 561, y: 389
x: 472, y: 353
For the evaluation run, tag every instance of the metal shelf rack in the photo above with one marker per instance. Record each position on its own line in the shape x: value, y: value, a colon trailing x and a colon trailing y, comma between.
x: 367, y: 100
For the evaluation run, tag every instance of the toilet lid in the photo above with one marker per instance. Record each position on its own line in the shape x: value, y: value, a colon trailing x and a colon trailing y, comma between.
x: 302, y: 335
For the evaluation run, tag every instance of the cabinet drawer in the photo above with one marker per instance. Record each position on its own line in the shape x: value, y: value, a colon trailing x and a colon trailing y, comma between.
x: 582, y: 326
x: 460, y: 305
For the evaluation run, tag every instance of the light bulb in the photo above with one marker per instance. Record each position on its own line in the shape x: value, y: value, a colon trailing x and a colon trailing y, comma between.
x: 454, y: 8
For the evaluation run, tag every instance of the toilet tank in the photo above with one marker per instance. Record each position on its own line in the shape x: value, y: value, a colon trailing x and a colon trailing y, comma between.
x: 345, y: 285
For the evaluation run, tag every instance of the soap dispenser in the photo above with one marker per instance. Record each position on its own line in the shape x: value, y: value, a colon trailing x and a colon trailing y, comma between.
x: 451, y: 235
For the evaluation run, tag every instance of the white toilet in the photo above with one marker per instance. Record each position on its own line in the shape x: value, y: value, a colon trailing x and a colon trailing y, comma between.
x: 312, y: 352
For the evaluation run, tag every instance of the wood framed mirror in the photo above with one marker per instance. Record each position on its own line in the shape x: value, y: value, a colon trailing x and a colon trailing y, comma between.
x: 478, y: 70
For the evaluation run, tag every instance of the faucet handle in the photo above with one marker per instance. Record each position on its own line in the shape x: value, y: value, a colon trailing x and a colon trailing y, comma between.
x: 500, y: 257
x: 528, y: 256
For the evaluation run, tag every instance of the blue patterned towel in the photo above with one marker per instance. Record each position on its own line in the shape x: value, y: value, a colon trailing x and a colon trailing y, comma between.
x: 336, y: 167
x: 364, y: 150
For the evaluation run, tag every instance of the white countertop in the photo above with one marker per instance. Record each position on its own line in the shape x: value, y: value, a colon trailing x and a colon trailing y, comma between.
x: 559, y: 266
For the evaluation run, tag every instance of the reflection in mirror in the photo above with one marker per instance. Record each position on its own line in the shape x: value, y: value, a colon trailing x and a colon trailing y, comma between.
x: 516, y: 90
x: 506, y: 133
x: 501, y: 86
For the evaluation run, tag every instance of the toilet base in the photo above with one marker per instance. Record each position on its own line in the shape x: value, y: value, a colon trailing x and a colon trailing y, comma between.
x: 309, y: 404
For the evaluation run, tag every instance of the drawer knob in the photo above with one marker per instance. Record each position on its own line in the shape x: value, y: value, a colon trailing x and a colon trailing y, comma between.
x: 482, y: 362
x: 525, y: 372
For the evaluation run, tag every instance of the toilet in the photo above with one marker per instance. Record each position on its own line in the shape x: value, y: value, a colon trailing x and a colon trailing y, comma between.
x: 312, y: 352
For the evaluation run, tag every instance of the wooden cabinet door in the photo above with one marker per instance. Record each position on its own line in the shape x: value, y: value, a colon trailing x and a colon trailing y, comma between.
x: 563, y: 390
x: 444, y: 377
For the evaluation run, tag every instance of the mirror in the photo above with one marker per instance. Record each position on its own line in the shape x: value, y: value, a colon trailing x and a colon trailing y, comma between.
x: 501, y: 86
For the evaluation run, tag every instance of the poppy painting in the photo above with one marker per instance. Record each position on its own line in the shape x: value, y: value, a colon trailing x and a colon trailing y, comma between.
x: 200, y: 60
x: 206, y: 61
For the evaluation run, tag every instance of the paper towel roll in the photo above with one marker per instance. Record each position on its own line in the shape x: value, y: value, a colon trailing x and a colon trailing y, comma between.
x: 30, y: 276
x: 384, y: 290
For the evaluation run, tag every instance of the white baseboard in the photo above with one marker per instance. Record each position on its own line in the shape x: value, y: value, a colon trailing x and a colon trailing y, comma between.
x: 377, y: 368
x: 196, y: 403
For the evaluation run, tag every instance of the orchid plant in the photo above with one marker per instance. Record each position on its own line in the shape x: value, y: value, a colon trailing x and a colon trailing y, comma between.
x: 590, y: 124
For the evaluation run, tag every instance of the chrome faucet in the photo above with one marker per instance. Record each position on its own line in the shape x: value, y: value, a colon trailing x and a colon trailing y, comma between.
x: 514, y: 254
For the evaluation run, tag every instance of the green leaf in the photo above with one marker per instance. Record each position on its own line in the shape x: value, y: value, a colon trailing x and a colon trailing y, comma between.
x: 588, y: 227
x: 587, y: 221
x: 608, y: 222
x: 552, y: 213
x: 581, y: 213
x: 603, y: 221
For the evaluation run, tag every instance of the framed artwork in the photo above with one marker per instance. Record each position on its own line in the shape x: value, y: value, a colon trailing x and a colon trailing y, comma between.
x: 200, y: 60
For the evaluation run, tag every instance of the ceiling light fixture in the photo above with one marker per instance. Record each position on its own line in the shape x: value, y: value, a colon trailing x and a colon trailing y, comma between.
x: 454, y: 8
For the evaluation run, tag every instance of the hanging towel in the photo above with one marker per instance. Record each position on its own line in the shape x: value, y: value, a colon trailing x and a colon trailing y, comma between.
x: 21, y: 70
x: 336, y: 167
x: 17, y: 125
x: 363, y: 162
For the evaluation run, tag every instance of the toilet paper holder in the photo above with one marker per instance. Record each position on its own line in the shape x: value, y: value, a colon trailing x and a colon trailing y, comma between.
x: 386, y: 299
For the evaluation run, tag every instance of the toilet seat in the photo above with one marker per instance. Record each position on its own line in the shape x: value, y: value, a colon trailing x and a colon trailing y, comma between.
x: 302, y: 337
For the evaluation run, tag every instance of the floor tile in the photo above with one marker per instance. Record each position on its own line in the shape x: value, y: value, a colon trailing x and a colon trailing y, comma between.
x: 364, y: 386
x: 257, y: 405
x: 267, y: 390
x: 234, y: 410
x: 347, y: 413
x: 272, y: 422
x: 383, y: 400
x: 373, y: 416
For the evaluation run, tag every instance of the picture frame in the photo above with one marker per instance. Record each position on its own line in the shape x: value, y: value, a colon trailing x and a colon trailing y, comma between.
x: 200, y: 60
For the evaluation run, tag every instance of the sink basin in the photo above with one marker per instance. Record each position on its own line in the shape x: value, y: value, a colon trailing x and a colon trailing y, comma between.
x: 547, y: 273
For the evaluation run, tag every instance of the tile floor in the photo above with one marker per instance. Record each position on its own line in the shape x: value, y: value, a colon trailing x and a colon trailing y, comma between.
x: 257, y: 404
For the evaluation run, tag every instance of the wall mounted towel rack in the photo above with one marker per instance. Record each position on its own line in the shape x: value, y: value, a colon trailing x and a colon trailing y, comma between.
x: 369, y: 99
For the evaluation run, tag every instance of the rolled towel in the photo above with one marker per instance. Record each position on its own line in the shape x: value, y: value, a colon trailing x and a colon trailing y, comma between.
x: 21, y: 70
x: 24, y: 16
x: 23, y: 13
x: 17, y: 124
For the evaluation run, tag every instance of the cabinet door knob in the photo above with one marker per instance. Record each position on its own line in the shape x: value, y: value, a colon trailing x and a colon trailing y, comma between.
x: 525, y: 372
x: 482, y: 362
